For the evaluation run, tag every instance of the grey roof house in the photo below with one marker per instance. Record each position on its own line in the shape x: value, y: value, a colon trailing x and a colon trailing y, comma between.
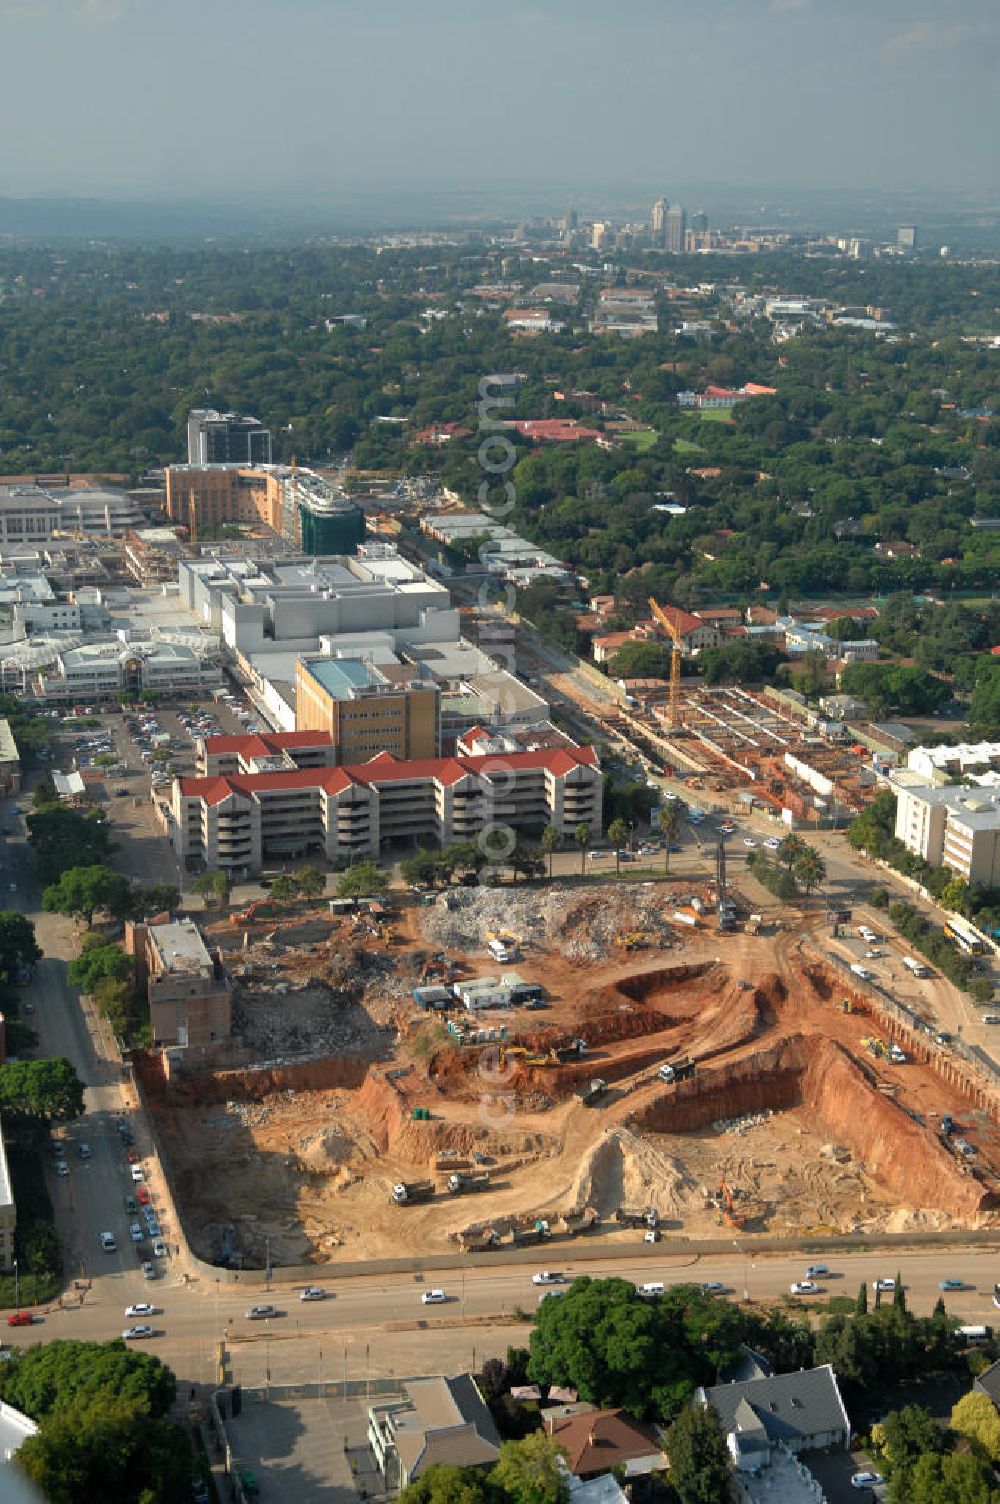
x: 439, y: 1420
x: 802, y: 1411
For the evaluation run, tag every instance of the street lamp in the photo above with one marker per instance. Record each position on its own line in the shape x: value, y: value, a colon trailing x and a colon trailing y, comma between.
x: 17, y: 1287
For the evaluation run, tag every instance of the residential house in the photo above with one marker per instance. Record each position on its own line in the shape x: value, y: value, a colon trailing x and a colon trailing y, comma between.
x: 598, y: 1441
x: 802, y: 1411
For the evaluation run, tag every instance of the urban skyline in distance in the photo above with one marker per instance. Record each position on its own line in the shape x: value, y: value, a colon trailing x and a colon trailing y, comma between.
x: 794, y: 94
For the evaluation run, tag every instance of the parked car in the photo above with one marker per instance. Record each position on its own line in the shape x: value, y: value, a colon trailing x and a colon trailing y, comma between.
x: 62, y: 1168
x: 148, y: 1272
x: 135, y: 1232
x: 137, y: 1172
x: 159, y: 1248
x: 866, y: 1480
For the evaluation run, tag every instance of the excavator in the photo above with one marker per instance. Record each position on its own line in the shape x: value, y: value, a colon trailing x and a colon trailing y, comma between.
x: 730, y: 1215
x: 263, y: 908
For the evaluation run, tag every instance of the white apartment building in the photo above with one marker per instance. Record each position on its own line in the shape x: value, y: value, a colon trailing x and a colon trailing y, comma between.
x: 32, y: 514
x: 952, y: 826
x: 239, y: 821
x: 938, y: 763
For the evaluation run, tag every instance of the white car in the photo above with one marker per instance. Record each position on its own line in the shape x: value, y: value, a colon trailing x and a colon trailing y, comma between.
x: 772, y: 843
x: 547, y: 1277
x: 159, y: 1248
x: 135, y: 1232
x: 143, y: 1308
x: 137, y: 1173
x: 805, y: 1287
x: 312, y: 1292
x: 866, y: 1480
x: 135, y: 1333
x: 62, y: 1168
x: 749, y: 841
x: 652, y: 1236
x: 815, y: 1270
x: 713, y: 1287
x: 433, y: 1298
x: 884, y: 1286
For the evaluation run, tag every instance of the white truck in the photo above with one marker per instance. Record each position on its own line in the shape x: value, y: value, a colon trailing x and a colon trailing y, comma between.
x: 917, y: 968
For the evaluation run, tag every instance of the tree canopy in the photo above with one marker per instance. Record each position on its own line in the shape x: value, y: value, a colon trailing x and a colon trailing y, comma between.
x: 84, y: 891
x: 40, y: 1091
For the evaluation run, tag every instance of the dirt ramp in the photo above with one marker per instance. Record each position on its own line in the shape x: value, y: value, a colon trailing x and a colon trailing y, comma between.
x: 899, y: 1152
x: 662, y: 984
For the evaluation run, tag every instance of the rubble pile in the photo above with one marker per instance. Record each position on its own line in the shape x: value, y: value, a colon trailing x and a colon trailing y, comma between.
x: 275, y: 1019
x: 584, y: 924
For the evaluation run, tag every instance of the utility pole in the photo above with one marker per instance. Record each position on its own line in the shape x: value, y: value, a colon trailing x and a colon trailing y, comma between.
x: 17, y: 1287
x: 267, y: 1259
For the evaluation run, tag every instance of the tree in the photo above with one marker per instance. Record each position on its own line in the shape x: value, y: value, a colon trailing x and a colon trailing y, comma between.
x: 975, y: 1417
x: 362, y: 880
x: 810, y: 869
x: 56, y: 1376
x: 581, y: 835
x: 44, y: 793
x: 618, y: 835
x: 285, y: 887
x: 528, y: 1471
x: 699, y: 1460
x: 65, y: 838
x: 312, y: 883
x: 158, y: 898
x: 446, y: 1485
x: 96, y: 962
x: 115, y: 1001
x: 861, y: 1304
x: 899, y: 1293
x: 667, y: 821
x: 213, y: 886
x: 905, y: 1435
x: 790, y: 849
x: 954, y: 1478
x: 110, y: 1451
x: 18, y: 946
x: 40, y: 1090
x: 82, y: 891
x: 550, y: 842
x: 955, y: 895
x: 640, y: 659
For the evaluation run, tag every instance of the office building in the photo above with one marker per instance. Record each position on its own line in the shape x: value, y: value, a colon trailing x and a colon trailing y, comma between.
x: 215, y: 438
x: 601, y: 235
x: 674, y: 229
x: 104, y: 670
x: 239, y: 822
x: 439, y: 1422
x: 31, y: 513
x: 253, y: 752
x: 297, y: 503
x: 658, y: 221
x: 367, y: 709
x: 906, y: 238
x: 951, y: 826
x: 975, y: 761
x: 187, y: 990
x: 10, y: 760
x: 699, y: 222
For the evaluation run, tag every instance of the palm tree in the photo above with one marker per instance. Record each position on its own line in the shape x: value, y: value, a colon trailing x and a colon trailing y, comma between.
x: 581, y: 836
x: 618, y: 835
x: 667, y: 822
x: 550, y: 840
x: 810, y: 868
x: 790, y: 850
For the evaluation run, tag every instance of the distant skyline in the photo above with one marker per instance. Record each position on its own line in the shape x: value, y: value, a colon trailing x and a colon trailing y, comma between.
x: 266, y: 99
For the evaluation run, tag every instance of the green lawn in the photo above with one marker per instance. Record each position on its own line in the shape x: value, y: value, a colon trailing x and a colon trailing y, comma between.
x: 715, y: 414
x: 640, y: 442
x: 685, y: 446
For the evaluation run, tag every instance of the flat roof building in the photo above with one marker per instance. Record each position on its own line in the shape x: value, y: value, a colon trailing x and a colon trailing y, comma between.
x: 187, y: 991
x: 952, y: 826
x: 226, y: 438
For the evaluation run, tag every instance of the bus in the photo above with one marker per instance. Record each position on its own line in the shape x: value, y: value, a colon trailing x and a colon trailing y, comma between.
x: 917, y: 968
x: 964, y: 936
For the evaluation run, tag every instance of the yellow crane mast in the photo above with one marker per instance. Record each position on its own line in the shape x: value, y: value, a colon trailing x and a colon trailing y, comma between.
x: 676, y: 654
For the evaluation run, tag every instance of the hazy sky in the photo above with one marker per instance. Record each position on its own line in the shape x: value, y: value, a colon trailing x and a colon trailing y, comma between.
x: 239, y: 97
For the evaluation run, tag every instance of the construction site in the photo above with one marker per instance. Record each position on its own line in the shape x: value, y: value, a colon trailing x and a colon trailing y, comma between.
x: 489, y: 1067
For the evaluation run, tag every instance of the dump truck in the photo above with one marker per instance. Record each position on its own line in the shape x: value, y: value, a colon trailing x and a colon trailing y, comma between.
x: 409, y: 1192
x: 676, y: 1070
x: 633, y: 1216
x: 481, y: 1242
x: 592, y: 1093
x: 464, y: 1185
x: 583, y: 1219
x: 525, y: 1237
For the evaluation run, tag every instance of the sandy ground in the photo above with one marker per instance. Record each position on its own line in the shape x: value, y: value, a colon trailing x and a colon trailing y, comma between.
x: 808, y: 1129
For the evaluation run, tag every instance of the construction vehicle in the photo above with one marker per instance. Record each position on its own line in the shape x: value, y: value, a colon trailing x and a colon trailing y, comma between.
x: 676, y: 655
x: 481, y: 1242
x: 676, y: 1070
x: 730, y: 1215
x: 410, y: 1192
x: 464, y: 1185
x: 635, y: 940
x: 846, y: 1005
x: 263, y: 909
x: 592, y: 1093
x: 526, y: 1237
x: 582, y: 1220
x: 724, y: 906
x: 450, y: 1159
x: 874, y: 1045
x: 630, y: 1216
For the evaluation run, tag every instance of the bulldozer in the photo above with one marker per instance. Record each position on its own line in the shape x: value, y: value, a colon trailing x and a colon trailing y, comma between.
x: 634, y: 940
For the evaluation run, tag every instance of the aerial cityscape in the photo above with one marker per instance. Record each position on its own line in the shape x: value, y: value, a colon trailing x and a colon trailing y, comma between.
x: 500, y: 755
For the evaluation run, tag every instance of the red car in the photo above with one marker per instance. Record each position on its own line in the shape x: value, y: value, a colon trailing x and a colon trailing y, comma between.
x: 142, y: 1192
x: 20, y: 1318
x: 133, y: 1157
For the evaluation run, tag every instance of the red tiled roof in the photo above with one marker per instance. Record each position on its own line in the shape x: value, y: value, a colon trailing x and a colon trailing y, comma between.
x: 683, y: 620
x: 560, y: 430
x: 599, y: 1440
x: 385, y: 768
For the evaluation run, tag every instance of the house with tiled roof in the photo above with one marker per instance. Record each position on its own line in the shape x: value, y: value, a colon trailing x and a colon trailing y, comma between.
x: 440, y: 1421
x: 238, y: 821
x: 802, y: 1411
x: 598, y: 1441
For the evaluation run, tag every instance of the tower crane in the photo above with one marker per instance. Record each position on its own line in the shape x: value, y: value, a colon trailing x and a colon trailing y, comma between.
x: 676, y: 654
